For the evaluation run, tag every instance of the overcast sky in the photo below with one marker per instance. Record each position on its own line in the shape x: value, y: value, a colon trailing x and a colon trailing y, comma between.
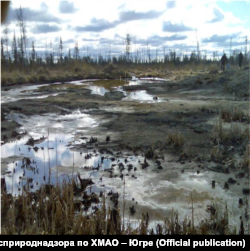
x: 102, y: 25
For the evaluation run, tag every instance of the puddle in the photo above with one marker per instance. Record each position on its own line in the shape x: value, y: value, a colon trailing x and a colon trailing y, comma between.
x: 154, y: 79
x: 118, y: 109
x: 42, y: 161
x: 101, y: 87
x: 55, y: 135
x: 141, y: 96
x: 70, y: 123
x: 82, y: 82
x: 24, y: 92
x: 158, y: 192
x: 97, y: 86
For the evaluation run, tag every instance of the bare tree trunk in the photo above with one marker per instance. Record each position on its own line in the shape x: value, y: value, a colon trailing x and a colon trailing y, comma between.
x: 22, y: 26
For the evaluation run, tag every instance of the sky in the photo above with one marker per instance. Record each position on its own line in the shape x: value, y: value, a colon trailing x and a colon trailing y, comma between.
x: 101, y: 26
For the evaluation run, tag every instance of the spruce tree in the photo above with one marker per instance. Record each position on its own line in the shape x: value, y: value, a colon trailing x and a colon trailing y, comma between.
x: 33, y: 53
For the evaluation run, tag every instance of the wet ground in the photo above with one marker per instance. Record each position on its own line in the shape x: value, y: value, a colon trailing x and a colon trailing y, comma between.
x: 103, y: 129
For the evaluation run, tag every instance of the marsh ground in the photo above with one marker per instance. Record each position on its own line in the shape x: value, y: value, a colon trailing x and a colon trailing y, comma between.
x: 174, y: 124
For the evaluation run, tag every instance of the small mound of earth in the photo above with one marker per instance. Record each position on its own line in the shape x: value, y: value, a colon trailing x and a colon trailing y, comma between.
x: 109, y: 68
x: 213, y: 72
x: 112, y: 72
x: 239, y: 84
x: 114, y: 95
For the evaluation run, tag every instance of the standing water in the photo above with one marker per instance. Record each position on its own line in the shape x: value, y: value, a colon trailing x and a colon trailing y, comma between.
x: 61, y: 149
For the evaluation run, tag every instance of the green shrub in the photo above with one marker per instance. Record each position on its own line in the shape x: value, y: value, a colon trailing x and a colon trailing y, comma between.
x: 21, y: 79
x: 42, y: 78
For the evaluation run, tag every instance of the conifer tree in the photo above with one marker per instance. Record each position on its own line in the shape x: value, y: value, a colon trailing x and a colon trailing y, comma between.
x: 33, y: 53
x: 69, y: 54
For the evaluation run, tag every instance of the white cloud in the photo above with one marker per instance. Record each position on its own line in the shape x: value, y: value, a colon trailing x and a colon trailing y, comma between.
x: 192, y: 14
x: 66, y: 7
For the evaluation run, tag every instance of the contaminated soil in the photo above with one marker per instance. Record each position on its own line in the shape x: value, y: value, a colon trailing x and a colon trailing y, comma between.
x: 133, y: 121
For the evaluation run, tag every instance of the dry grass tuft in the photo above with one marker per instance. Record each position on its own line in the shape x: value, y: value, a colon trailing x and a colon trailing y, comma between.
x: 218, y: 133
x: 175, y: 139
x: 222, y: 135
x: 216, y: 153
x: 232, y: 114
x: 245, y: 163
x: 53, y: 210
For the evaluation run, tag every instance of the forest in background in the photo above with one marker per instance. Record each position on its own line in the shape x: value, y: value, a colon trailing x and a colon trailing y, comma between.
x: 22, y: 63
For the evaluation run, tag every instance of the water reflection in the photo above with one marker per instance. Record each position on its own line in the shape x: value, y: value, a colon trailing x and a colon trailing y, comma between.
x: 97, y: 90
x: 38, y: 125
x: 58, y: 132
x: 156, y: 192
x: 44, y: 157
x: 52, y: 160
x: 21, y: 93
x: 54, y: 157
x: 101, y: 87
x: 140, y: 95
x: 97, y: 86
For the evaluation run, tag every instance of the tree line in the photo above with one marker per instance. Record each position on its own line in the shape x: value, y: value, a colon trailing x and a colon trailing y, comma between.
x: 19, y: 57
